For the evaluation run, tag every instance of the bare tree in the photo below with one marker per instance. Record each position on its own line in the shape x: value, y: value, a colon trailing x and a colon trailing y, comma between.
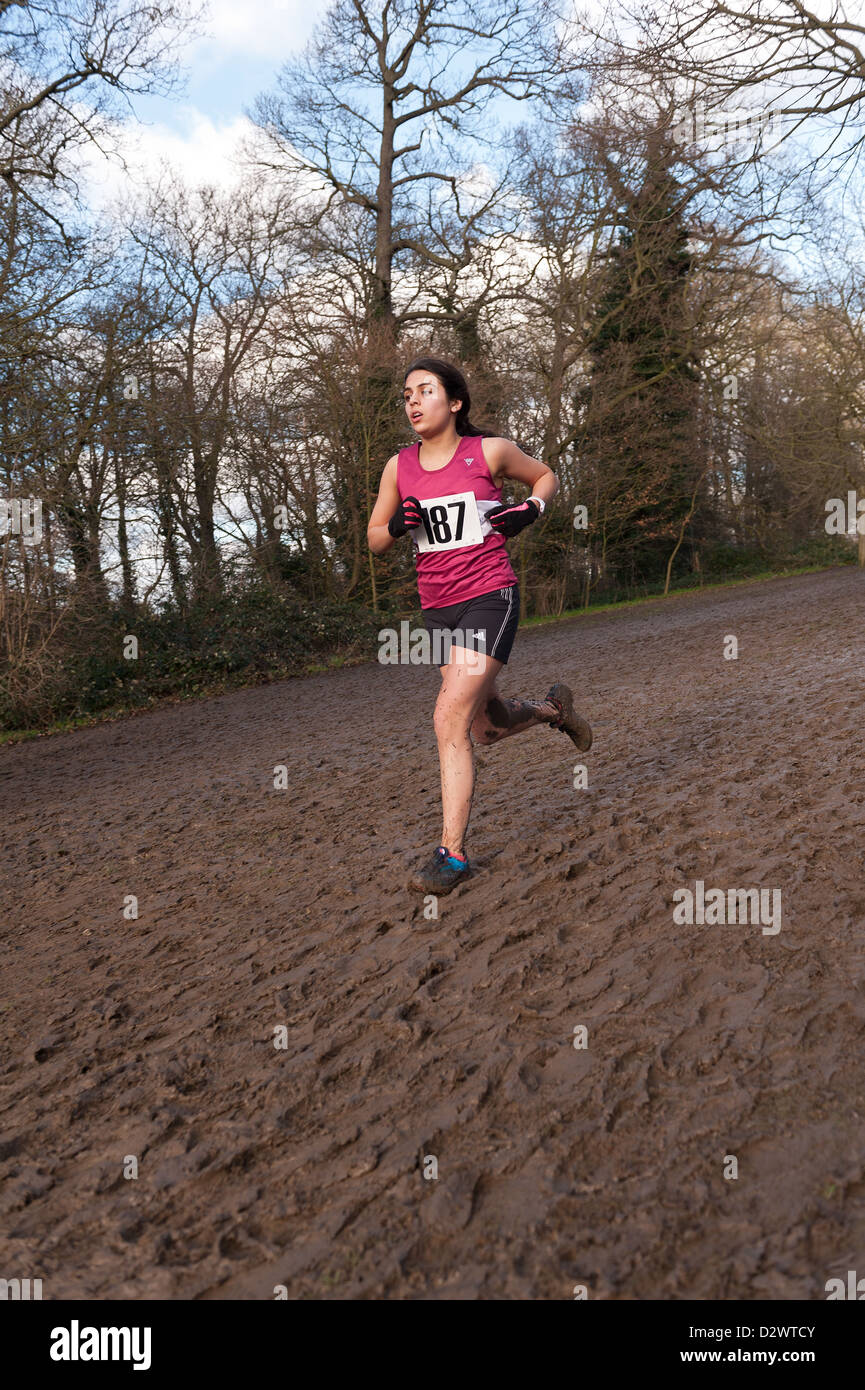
x: 221, y: 261
x: 781, y: 56
x: 67, y: 73
x: 389, y: 106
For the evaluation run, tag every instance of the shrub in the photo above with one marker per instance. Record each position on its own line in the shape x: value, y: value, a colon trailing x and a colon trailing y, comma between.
x: 241, y: 638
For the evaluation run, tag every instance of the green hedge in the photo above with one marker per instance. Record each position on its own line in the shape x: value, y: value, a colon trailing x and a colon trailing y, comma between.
x: 258, y: 633
x: 238, y: 640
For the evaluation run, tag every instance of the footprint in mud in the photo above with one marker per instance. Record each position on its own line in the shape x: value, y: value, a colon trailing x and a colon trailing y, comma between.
x: 531, y: 1076
x: 411, y: 1016
x: 450, y: 1206
x: 530, y: 1072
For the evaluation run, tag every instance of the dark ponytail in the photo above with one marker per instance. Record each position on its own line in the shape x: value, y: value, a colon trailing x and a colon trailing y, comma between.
x: 456, y: 388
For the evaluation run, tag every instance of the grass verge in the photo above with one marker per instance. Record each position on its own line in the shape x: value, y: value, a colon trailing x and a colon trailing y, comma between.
x: 337, y: 661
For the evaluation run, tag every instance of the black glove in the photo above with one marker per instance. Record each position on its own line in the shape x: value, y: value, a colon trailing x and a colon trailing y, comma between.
x: 509, y: 519
x: 407, y: 514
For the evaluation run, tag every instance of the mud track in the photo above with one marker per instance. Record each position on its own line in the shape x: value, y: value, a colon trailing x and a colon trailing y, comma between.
x: 259, y: 909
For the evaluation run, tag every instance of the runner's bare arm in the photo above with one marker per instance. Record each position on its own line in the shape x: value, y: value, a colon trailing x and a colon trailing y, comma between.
x: 507, y: 460
x: 378, y: 536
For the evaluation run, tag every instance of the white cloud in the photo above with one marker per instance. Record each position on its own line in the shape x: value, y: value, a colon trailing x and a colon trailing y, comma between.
x: 200, y: 151
x: 241, y: 49
x: 259, y: 28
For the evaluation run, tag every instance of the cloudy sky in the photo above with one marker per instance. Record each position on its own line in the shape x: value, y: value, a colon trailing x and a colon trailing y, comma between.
x: 246, y: 43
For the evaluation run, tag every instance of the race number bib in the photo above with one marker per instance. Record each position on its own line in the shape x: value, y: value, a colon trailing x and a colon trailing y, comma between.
x: 449, y: 523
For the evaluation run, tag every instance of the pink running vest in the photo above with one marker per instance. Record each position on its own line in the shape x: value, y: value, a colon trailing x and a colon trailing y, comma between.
x: 449, y: 570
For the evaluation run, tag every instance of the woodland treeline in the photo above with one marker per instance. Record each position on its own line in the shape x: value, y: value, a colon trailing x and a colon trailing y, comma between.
x: 201, y: 389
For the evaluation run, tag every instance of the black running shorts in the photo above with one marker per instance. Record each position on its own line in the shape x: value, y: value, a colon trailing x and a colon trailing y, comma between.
x: 495, y: 615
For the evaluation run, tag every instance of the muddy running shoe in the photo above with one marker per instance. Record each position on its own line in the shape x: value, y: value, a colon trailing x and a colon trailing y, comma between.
x: 574, y: 725
x: 440, y: 874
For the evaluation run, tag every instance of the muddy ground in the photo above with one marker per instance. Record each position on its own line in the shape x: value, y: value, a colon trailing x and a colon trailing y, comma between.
x: 407, y: 1038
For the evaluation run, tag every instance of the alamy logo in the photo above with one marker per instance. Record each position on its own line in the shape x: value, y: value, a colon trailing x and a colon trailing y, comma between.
x: 730, y: 127
x: 841, y: 519
x: 75, y: 1343
x: 22, y: 516
x: 415, y: 647
x: 714, y: 907
x: 855, y: 1288
x: 18, y: 1290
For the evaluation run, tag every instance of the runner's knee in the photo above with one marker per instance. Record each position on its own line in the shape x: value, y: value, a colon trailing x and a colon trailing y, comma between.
x: 452, y: 716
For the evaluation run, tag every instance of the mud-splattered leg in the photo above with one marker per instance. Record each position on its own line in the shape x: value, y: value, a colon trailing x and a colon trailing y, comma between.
x: 501, y: 718
x: 465, y: 689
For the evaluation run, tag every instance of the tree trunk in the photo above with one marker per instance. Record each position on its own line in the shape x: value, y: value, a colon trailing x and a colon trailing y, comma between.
x: 128, y: 598
x: 82, y: 533
x: 382, y: 290
x: 207, y: 573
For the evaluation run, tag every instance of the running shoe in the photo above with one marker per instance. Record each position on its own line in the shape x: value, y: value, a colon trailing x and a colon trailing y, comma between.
x: 440, y: 874
x: 574, y: 725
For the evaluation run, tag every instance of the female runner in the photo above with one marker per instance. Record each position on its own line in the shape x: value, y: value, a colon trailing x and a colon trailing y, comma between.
x: 445, y: 492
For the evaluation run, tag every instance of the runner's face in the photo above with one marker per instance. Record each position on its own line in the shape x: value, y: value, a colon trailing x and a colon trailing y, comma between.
x: 427, y: 405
